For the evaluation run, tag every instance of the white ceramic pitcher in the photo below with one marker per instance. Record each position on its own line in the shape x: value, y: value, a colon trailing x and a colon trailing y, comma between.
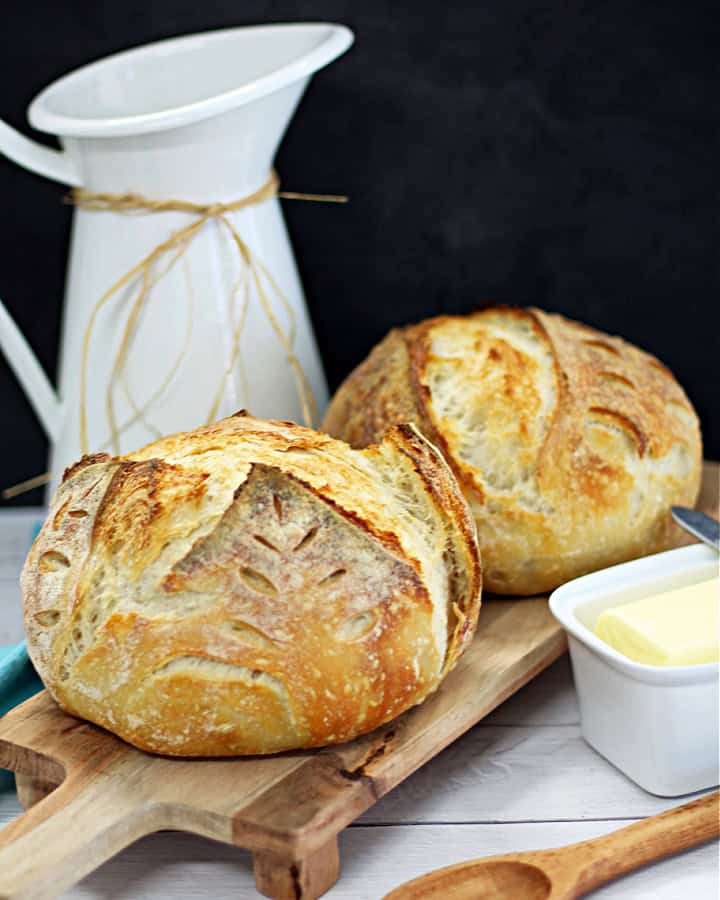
x: 196, y: 118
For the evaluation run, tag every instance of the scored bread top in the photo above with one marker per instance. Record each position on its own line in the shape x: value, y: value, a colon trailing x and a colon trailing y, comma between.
x: 570, y: 444
x: 251, y: 586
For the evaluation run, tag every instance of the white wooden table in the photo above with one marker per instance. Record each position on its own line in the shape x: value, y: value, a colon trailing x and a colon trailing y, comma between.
x: 522, y: 779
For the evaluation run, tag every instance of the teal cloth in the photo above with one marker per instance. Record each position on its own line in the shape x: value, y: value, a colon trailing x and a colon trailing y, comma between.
x: 18, y: 681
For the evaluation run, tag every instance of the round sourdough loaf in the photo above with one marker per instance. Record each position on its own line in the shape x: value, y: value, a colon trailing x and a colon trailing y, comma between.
x: 252, y: 587
x: 569, y: 444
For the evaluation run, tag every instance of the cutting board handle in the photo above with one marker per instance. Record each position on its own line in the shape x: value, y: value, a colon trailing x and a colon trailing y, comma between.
x: 70, y: 832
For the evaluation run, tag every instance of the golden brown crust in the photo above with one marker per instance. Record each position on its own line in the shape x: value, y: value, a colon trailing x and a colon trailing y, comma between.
x: 251, y: 587
x: 570, y: 444
x: 376, y: 393
x: 463, y: 565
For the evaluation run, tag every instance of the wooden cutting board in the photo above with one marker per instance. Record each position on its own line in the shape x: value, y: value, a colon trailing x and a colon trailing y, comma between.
x: 287, y: 809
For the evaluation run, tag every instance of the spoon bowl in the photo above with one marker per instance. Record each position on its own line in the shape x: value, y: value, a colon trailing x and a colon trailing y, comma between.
x: 495, y: 878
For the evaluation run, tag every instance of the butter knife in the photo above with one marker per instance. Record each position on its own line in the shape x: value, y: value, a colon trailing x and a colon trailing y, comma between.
x: 697, y: 523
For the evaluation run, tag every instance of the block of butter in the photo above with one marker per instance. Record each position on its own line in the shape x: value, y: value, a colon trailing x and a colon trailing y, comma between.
x: 676, y: 628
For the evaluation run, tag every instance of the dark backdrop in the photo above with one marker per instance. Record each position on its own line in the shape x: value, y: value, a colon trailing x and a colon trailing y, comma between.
x: 558, y: 154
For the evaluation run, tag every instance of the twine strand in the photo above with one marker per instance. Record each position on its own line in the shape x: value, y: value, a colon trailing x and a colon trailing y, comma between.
x: 140, y: 412
x: 243, y: 284
x: 254, y: 272
x: 180, y: 240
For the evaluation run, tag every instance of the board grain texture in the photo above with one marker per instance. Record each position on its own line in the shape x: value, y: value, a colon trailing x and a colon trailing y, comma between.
x: 287, y: 809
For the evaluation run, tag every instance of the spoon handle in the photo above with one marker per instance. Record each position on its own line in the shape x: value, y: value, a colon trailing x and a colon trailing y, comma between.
x: 629, y: 848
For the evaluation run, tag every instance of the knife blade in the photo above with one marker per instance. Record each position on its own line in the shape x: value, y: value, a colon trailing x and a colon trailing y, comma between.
x: 697, y: 523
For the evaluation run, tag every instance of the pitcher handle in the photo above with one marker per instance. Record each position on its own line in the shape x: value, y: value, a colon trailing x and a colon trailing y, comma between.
x: 55, y: 164
x: 30, y: 374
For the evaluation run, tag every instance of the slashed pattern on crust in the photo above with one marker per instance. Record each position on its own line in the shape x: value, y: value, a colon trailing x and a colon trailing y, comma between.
x: 252, y: 587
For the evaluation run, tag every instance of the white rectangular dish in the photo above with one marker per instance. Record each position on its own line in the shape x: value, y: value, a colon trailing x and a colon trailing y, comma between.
x: 658, y: 725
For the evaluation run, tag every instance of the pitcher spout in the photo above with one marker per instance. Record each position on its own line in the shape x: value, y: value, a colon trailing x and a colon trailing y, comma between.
x: 31, y: 375
x: 209, y: 109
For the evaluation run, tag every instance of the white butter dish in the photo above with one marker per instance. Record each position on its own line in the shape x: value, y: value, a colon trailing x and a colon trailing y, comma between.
x: 658, y: 725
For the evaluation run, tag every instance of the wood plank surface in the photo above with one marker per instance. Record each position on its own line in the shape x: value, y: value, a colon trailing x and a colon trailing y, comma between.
x: 169, y: 866
x: 577, y: 869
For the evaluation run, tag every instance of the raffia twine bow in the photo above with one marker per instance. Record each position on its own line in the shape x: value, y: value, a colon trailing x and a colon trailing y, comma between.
x: 254, y: 271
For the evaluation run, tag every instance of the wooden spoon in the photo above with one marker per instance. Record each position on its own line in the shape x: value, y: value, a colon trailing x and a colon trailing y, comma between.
x: 571, y: 871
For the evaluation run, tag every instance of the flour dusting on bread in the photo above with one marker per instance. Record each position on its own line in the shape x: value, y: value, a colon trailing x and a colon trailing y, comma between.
x: 570, y: 445
x: 251, y: 587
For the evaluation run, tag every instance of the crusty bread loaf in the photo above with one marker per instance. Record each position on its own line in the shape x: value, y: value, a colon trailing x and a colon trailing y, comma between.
x: 252, y: 587
x: 570, y: 445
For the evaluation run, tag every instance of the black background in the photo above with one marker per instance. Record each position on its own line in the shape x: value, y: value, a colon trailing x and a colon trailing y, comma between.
x: 557, y: 154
